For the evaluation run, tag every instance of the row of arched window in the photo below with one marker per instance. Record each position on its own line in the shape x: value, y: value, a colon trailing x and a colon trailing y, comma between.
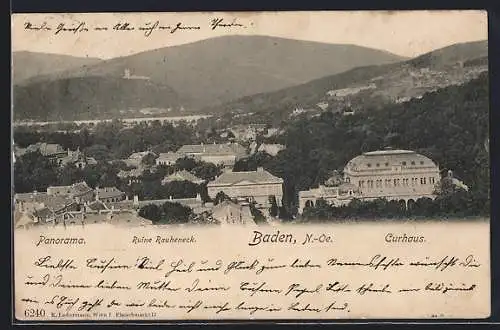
x: 397, y: 182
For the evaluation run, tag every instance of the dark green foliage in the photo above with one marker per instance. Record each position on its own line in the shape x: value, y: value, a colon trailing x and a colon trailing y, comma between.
x: 220, y: 197
x: 273, y: 210
x: 258, y: 216
x: 168, y: 213
x: 32, y: 172
x: 449, y: 126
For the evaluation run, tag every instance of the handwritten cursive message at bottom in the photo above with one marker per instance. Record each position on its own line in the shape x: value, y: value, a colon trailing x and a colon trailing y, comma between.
x: 102, y: 272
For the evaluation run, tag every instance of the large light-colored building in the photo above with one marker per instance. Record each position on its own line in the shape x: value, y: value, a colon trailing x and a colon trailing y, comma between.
x: 255, y: 186
x: 393, y: 175
x: 218, y: 154
x: 389, y: 174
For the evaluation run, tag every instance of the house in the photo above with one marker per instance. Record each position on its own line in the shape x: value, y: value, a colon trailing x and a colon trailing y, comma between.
x: 76, y: 158
x: 79, y: 192
x: 109, y: 194
x: 255, y: 186
x: 132, y: 176
x: 182, y: 176
x: 52, y: 151
x: 271, y: 149
x: 168, y: 158
x: 272, y: 132
x: 218, y: 154
x: 136, y: 158
x: 42, y: 207
x: 230, y: 213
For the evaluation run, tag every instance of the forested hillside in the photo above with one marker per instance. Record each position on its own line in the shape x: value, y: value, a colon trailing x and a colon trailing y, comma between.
x: 450, y: 126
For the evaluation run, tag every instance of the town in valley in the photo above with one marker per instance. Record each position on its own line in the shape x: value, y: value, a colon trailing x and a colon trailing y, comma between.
x: 133, y: 141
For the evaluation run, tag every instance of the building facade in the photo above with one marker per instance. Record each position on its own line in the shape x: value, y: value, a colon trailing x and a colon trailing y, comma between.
x: 229, y: 213
x: 109, y: 194
x: 254, y: 186
x: 167, y: 158
x: 393, y: 175
x: 218, y: 154
x: 337, y: 196
x: 390, y: 174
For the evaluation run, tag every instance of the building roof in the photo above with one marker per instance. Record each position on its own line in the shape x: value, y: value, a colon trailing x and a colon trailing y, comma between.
x: 271, y: 149
x: 385, y: 159
x: 46, y: 149
x: 97, y: 206
x: 139, y: 155
x: 173, y: 156
x: 249, y: 177
x: 80, y: 188
x: 135, y: 172
x: 43, y: 213
x: 77, y: 156
x: 213, y: 149
x: 109, y: 192
x: 54, y: 203
x: 181, y: 176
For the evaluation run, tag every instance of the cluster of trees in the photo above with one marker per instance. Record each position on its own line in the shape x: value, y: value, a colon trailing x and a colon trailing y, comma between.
x: 33, y: 171
x: 449, y: 126
x: 111, y: 140
x: 168, y: 213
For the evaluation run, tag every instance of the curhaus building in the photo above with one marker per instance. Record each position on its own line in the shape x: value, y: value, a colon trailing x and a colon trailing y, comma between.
x: 393, y: 175
x: 390, y: 174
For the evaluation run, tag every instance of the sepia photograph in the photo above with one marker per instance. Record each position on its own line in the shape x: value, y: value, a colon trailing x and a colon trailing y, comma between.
x: 254, y: 126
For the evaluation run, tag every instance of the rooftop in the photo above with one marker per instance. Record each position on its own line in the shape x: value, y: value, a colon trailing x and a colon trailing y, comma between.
x: 169, y: 156
x: 386, y: 159
x: 249, y: 177
x: 109, y: 192
x: 52, y: 202
x: 389, y: 152
x: 219, y: 149
x: 182, y: 175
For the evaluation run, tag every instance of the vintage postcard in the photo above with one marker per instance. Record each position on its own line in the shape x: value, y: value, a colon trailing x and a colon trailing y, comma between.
x: 251, y: 166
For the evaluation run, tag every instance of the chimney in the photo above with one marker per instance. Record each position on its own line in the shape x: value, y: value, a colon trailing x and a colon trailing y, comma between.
x: 170, y: 197
x: 136, y: 200
x: 198, y: 197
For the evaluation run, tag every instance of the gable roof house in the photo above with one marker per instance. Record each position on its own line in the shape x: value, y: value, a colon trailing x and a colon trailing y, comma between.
x: 218, y: 154
x: 167, y: 158
x: 109, y: 194
x: 77, y: 158
x: 254, y: 186
x: 80, y: 192
x: 43, y: 207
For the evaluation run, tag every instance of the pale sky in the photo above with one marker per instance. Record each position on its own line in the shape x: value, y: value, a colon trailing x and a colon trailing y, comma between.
x: 407, y: 33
